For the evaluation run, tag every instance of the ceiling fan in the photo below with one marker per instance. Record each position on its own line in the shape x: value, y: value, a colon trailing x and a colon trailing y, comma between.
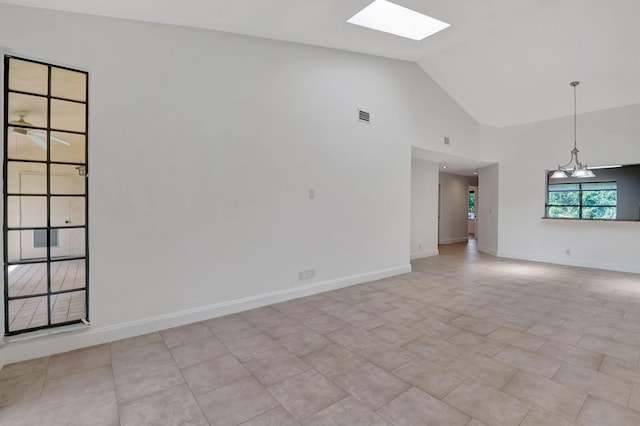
x: 39, y: 137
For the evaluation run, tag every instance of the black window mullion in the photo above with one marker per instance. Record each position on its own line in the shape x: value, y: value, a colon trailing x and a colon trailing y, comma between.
x: 48, y: 195
x: 5, y: 222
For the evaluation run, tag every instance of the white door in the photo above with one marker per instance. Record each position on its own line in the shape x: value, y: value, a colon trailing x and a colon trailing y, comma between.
x: 33, y: 244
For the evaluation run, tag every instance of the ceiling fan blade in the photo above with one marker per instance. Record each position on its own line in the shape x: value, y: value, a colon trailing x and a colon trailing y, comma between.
x: 34, y: 137
x: 42, y: 135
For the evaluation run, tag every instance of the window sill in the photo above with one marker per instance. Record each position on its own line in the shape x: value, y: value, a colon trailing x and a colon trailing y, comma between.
x: 18, y: 338
x: 589, y: 220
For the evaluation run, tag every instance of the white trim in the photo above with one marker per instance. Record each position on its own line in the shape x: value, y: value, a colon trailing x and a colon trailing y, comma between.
x: 490, y: 251
x: 455, y: 240
x: 51, y: 344
x: 422, y: 254
x: 583, y: 263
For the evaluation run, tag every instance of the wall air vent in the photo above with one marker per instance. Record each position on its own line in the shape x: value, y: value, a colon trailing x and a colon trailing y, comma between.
x: 364, y: 116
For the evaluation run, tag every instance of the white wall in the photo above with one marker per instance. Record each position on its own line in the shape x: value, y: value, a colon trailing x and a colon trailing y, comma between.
x: 525, y: 152
x: 424, y: 208
x: 202, y: 149
x: 487, y: 209
x: 454, y: 207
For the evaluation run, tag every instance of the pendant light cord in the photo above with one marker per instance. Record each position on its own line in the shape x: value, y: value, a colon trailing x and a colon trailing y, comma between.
x: 575, y: 117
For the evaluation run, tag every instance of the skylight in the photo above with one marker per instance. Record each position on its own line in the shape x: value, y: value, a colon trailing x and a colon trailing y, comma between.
x: 394, y: 19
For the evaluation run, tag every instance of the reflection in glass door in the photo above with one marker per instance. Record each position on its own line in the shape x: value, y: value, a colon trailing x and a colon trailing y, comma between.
x: 45, y: 194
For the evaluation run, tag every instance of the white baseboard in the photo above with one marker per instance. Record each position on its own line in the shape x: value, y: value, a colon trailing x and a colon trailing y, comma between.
x: 583, y: 263
x: 426, y: 253
x: 22, y: 348
x: 454, y: 240
x: 490, y: 251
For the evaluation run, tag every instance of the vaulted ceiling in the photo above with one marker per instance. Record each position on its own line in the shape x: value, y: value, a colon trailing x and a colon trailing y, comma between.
x: 505, y: 62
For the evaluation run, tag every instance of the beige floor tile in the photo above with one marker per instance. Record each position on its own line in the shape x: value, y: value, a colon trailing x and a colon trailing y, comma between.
x: 144, y: 370
x: 478, y: 326
x: 306, y: 394
x: 275, y: 417
x: 232, y: 327
x: 303, y: 342
x: 38, y: 365
x: 466, y: 341
x: 322, y: 323
x: 199, y: 421
x: 598, y: 412
x: 634, y: 399
x: 628, y: 353
x: 79, y: 361
x: 439, y: 314
x: 333, y: 361
x: 66, y: 389
x: 185, y: 334
x: 486, y: 370
x: 371, y: 385
x: 571, y: 354
x: 562, y: 400
x: 415, y: 407
x: 353, y: 338
x: 402, y: 316
x: 198, y: 351
x: 395, y: 333
x: 214, y: 374
x: 430, y: 376
x: 365, y: 320
x: 98, y: 410
x: 236, y: 403
x: 26, y: 387
x: 594, y: 383
x: 433, y: 348
x: 620, y: 369
x: 346, y: 412
x: 528, y: 361
x: 386, y: 355
x: 487, y: 404
x: 173, y: 406
x: 273, y: 367
x: 540, y: 417
x: 252, y: 346
x: 134, y: 342
x: 435, y: 328
x: 555, y: 333
x: 517, y: 338
x: 511, y: 322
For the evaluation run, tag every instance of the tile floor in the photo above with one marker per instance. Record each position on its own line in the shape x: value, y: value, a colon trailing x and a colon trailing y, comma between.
x: 465, y: 339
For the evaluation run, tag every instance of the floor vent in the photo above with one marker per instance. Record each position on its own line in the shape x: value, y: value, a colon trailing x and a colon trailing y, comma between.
x: 364, y: 116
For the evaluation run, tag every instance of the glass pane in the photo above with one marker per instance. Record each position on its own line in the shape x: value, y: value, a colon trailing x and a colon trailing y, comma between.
x: 28, y: 111
x: 68, y: 147
x: 22, y: 245
x: 67, y: 116
x: 26, y: 212
x: 66, y: 179
x: 68, y: 84
x: 26, y: 178
x: 70, y: 243
x: 67, y: 307
x: 564, y: 187
x: 25, y: 144
x: 67, y: 211
x: 563, y: 212
x: 25, y: 76
x: 27, y: 279
x: 599, y: 212
x: 599, y: 185
x: 571, y: 198
x: 27, y: 313
x: 600, y: 198
x: 67, y: 275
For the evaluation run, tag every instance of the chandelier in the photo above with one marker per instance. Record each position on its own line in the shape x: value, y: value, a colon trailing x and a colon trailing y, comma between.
x: 574, y: 166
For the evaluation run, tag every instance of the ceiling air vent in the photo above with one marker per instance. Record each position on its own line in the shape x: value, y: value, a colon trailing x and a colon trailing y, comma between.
x: 364, y: 116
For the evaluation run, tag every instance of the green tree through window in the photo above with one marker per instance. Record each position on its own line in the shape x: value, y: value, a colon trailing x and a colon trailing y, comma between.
x: 589, y: 200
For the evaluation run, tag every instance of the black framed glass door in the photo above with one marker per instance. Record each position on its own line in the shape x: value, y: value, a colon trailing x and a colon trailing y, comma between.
x: 45, y: 195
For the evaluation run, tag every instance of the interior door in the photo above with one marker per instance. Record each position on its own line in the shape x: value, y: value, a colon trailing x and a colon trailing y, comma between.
x: 33, y: 243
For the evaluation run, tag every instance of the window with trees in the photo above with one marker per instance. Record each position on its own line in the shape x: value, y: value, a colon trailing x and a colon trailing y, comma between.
x: 588, y: 200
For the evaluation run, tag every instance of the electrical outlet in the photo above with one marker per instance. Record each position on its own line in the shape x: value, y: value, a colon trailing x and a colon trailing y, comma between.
x: 568, y: 252
x: 312, y: 194
x: 419, y: 245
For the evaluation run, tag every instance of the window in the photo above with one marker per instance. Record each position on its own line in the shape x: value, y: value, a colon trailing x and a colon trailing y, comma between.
x: 472, y: 204
x: 589, y: 200
x: 45, y: 196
